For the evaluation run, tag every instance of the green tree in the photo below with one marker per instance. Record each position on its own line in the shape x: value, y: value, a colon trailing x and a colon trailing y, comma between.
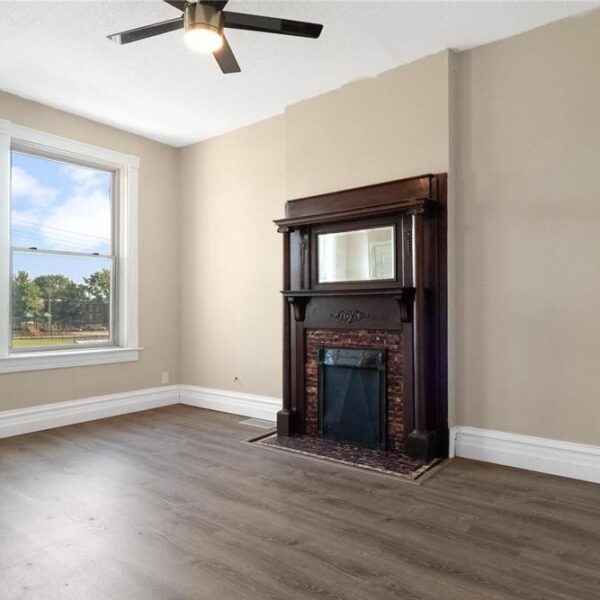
x: 52, y: 286
x: 97, y: 285
x: 59, y: 294
x: 97, y: 289
x: 70, y: 312
x: 27, y: 298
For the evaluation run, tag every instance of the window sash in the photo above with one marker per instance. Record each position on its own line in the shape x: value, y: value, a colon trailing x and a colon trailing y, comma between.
x: 112, y: 340
x: 50, y: 155
x: 125, y: 346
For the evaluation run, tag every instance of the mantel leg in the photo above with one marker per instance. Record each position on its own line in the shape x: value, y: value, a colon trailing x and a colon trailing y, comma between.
x: 285, y: 420
x: 421, y: 441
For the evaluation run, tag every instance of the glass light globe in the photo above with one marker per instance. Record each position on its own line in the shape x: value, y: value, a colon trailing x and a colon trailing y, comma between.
x: 203, y: 39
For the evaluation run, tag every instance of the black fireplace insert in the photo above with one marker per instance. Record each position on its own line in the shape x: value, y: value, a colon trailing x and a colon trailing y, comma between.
x: 352, y: 396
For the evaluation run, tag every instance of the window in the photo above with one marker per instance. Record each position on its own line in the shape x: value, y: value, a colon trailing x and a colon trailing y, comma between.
x: 62, y: 253
x: 68, y: 252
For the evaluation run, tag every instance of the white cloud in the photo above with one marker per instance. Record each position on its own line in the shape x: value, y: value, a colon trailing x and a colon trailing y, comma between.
x: 87, y: 215
x: 79, y: 222
x: 24, y: 186
x: 85, y: 179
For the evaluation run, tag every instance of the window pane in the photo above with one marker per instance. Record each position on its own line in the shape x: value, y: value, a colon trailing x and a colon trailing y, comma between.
x: 60, y: 206
x: 60, y: 300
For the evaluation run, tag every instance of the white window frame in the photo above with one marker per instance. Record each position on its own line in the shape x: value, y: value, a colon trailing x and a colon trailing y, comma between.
x: 126, y: 345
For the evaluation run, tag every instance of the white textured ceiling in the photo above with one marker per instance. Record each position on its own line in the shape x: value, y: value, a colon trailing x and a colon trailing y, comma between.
x: 56, y: 52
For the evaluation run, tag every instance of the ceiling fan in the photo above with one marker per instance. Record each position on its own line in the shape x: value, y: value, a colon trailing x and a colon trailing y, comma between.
x: 204, y: 21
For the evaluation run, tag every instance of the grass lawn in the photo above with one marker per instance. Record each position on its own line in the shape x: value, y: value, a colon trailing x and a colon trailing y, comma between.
x: 31, y: 342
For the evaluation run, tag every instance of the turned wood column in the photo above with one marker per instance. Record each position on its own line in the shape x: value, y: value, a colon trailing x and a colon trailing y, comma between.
x: 421, y: 441
x: 284, y: 416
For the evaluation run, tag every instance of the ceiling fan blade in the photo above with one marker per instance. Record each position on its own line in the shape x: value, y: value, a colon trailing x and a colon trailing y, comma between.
x: 271, y: 25
x: 140, y: 33
x: 218, y: 4
x: 226, y: 59
x: 179, y: 4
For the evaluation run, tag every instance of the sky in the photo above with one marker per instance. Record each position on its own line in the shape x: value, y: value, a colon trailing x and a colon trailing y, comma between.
x: 59, y: 206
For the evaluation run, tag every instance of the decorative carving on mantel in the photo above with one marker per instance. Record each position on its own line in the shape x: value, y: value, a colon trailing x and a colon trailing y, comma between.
x: 303, y: 249
x: 303, y: 265
x: 424, y: 207
x: 349, y: 316
x: 408, y: 238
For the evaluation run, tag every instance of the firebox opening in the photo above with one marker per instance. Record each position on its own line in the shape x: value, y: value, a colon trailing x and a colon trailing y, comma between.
x: 352, y: 396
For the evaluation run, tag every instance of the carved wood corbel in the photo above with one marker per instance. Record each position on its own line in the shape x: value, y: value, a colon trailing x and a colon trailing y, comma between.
x: 405, y: 302
x: 299, y: 305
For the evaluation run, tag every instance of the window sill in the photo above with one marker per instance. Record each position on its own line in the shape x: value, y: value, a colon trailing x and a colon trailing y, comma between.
x: 60, y: 359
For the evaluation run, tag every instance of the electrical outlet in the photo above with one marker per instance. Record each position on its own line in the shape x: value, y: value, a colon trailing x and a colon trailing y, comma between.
x: 165, y: 377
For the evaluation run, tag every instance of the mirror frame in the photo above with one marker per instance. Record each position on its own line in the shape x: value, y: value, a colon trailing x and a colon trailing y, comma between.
x: 357, y: 225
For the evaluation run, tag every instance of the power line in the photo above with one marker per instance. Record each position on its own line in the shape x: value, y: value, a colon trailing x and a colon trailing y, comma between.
x: 69, y: 231
x: 35, y: 239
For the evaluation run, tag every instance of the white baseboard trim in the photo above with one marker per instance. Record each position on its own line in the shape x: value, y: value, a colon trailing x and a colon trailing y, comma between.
x: 59, y: 414
x: 48, y: 416
x: 237, y: 403
x: 567, y: 459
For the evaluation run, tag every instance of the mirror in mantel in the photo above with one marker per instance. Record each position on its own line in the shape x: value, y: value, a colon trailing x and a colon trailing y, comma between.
x: 358, y: 255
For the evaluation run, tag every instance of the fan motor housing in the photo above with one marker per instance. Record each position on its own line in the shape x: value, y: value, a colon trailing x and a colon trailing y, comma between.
x: 203, y: 15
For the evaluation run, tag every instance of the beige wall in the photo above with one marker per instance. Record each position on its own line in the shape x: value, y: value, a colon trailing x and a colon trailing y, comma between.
x: 233, y: 186
x: 528, y: 243
x: 158, y: 256
x: 388, y: 127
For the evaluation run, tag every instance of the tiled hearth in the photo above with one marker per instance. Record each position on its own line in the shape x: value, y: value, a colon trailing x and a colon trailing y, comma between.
x: 391, y: 463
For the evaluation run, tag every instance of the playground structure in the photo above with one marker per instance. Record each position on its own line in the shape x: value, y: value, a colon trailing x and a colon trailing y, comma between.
x: 32, y: 329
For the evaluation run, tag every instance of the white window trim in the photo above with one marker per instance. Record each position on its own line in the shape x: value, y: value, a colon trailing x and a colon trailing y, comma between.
x: 127, y: 345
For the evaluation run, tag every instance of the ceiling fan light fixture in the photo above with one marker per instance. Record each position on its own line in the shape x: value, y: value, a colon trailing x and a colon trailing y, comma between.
x: 203, y: 38
x: 203, y: 28
x: 203, y: 22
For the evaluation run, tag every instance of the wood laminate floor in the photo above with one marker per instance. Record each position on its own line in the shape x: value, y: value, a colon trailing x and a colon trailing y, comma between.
x: 170, y: 504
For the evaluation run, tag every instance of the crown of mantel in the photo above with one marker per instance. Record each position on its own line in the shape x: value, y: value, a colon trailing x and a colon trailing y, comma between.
x: 414, y: 194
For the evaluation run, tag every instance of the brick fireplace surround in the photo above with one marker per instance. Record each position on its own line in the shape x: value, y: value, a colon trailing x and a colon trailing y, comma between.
x: 343, y: 338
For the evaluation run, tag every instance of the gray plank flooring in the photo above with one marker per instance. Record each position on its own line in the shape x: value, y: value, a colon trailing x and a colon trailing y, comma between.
x: 170, y: 504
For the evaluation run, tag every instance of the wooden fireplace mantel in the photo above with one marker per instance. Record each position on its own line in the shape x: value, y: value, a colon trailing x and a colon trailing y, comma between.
x: 413, y: 302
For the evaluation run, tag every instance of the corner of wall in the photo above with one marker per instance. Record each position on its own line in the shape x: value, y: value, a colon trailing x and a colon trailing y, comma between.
x: 179, y: 199
x: 452, y: 226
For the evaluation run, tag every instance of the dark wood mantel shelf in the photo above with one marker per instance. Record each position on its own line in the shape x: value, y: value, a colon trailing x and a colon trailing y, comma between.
x: 406, y: 292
